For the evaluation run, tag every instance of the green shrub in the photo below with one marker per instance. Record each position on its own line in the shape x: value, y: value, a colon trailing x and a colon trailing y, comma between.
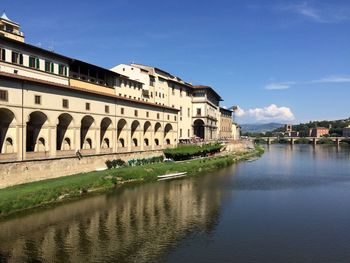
x: 115, y: 163
x: 185, y: 152
x: 109, y: 164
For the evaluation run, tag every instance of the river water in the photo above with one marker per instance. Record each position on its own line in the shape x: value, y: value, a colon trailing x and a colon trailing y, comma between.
x: 291, y: 205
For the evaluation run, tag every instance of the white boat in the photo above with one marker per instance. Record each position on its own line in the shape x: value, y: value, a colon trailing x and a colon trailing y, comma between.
x: 100, y: 169
x: 170, y: 176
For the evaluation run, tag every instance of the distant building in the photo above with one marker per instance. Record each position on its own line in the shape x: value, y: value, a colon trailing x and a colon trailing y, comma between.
x: 288, y: 128
x: 294, y: 134
x: 236, y: 131
x: 318, y: 132
x: 346, y: 131
x: 225, y: 123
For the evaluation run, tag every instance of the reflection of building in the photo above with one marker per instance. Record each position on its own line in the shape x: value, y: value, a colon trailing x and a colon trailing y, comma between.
x: 318, y: 132
x: 225, y: 123
x: 346, y: 131
x: 127, y: 226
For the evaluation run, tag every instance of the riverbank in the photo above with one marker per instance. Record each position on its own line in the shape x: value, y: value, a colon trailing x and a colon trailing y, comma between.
x: 22, y: 197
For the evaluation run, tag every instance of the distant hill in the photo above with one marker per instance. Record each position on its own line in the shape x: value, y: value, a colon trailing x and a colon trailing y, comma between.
x: 260, y: 127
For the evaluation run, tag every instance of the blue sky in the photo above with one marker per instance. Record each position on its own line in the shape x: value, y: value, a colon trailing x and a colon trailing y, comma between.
x: 285, y: 61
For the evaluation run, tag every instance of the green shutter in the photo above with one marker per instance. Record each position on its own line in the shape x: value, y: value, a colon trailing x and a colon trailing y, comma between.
x: 21, y: 59
x: 30, y: 62
x: 37, y: 63
x: 52, y: 67
x: 65, y: 71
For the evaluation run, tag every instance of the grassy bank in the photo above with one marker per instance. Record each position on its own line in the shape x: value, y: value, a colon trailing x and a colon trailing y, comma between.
x: 21, y: 197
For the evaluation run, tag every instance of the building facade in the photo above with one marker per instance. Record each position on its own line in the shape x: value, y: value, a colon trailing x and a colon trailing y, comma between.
x: 226, y: 123
x: 198, y: 105
x: 346, y: 131
x: 318, y: 132
x: 54, y: 106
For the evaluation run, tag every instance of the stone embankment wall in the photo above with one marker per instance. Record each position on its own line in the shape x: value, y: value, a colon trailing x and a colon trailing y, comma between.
x: 238, y: 146
x: 15, y: 173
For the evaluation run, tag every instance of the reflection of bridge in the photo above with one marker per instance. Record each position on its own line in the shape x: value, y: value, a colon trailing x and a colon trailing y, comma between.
x: 292, y: 140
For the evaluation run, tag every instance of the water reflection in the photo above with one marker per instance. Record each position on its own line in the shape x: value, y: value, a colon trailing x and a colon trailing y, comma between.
x: 288, y: 206
x: 135, y: 224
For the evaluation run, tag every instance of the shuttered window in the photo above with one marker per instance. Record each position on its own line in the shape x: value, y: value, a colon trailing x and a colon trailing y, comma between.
x: 17, y: 58
x: 34, y: 62
x: 4, y: 95
x: 49, y: 66
x: 2, y: 54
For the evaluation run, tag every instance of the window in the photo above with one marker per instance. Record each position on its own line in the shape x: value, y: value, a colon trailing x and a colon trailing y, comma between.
x: 49, y: 66
x: 181, y: 92
x: 65, y: 103
x: 180, y: 111
x: 188, y: 132
x: 135, y: 113
x: 37, y: 99
x: 158, y: 115
x: 151, y: 94
x: 188, y: 112
x: 62, y: 70
x: 4, y: 95
x: 17, y: 58
x: 106, y: 109
x: 199, y: 111
x: 151, y: 81
x: 122, y: 111
x: 34, y: 62
x: 173, y: 91
x: 163, y: 95
x: 147, y: 114
x: 87, y: 106
x: 2, y: 54
x: 175, y: 118
x: 180, y: 133
x: 168, y: 117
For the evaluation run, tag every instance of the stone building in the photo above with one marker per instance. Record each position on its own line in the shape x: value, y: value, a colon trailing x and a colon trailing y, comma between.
x: 52, y: 106
x: 318, y: 132
x: 198, y: 104
x: 346, y: 131
x: 226, y: 123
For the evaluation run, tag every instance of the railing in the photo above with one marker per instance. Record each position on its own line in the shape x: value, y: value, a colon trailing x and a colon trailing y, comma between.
x: 106, y: 150
x: 37, y: 155
x: 62, y: 153
x: 8, y: 156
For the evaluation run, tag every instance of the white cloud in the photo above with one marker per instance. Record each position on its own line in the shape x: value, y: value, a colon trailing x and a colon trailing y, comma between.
x: 239, y: 112
x: 269, y: 113
x: 279, y: 86
x: 320, y: 12
x: 333, y: 79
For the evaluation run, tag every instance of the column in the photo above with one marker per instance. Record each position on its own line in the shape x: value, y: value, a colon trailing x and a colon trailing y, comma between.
x: 114, y: 140
x: 77, y: 138
x: 19, y: 142
x: 98, y: 140
x: 152, y: 137
x: 52, y: 140
x: 142, y: 143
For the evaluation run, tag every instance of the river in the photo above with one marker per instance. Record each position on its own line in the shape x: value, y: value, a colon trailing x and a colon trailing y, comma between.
x: 291, y: 205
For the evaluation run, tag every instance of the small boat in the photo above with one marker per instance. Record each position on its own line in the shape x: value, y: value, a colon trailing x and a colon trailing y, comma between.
x: 100, y: 169
x: 170, y: 176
